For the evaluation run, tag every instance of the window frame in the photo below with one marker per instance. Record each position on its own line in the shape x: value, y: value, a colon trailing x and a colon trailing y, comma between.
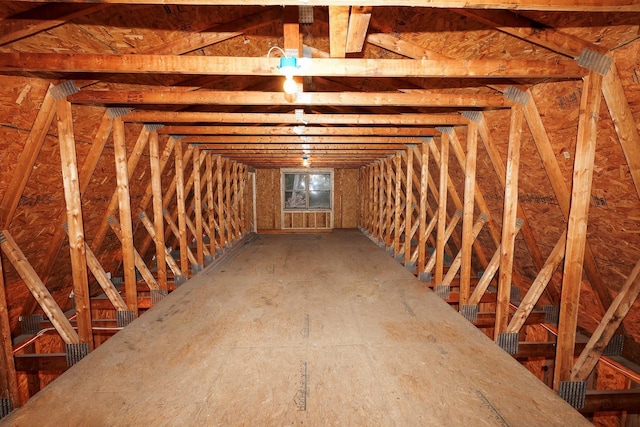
x: 306, y: 172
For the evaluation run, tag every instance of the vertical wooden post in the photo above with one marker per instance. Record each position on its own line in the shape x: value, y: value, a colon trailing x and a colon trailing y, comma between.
x: 210, y: 206
x: 408, y: 213
x: 124, y: 206
x: 227, y: 201
x: 577, y: 225
x: 221, y: 215
x: 236, y: 199
x: 467, y: 213
x: 74, y: 221
x: 242, y: 215
x: 397, y: 204
x: 158, y: 221
x: 8, y: 381
x: 509, y: 218
x: 182, y: 221
x: 442, y: 208
x: 389, y: 202
x: 424, y: 190
x: 197, y: 197
x: 376, y: 200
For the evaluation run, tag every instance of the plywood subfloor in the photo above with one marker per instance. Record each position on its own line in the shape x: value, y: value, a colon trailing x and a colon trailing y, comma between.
x: 322, y: 329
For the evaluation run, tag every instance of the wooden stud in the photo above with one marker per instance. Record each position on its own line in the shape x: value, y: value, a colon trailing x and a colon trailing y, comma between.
x: 227, y: 204
x: 37, y: 288
x: 197, y: 198
x: 338, y: 27
x: 158, y: 221
x: 235, y: 206
x: 509, y: 218
x: 180, y: 202
x: 577, y: 225
x: 210, y: 204
x: 446, y: 236
x: 74, y: 221
x: 397, y: 208
x: 467, y: 213
x: 457, y: 261
x: 103, y: 280
x: 124, y: 207
x: 388, y: 211
x: 424, y: 189
x: 222, y: 220
x: 442, y: 208
x: 176, y: 233
x: 357, y: 30
x: 8, y: 381
x: 410, y: 229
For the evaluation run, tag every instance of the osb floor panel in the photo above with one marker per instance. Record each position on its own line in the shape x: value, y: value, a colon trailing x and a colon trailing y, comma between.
x: 322, y: 329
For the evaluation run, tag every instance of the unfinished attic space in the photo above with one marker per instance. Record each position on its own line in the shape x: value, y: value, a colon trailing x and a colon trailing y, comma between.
x: 411, y: 213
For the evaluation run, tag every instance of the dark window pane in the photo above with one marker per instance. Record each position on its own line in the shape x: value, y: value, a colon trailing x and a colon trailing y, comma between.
x: 294, y: 181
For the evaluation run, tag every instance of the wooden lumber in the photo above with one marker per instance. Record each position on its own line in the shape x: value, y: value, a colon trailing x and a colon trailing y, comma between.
x: 410, y: 227
x: 577, y: 225
x: 8, y: 380
x: 509, y: 219
x: 75, y: 225
x: 397, y: 160
x: 607, y: 327
x: 151, y: 229
x: 124, y: 207
x: 180, y: 203
x: 559, y: 5
x: 105, y: 283
x: 158, y: 220
x: 488, y: 320
x: 489, y: 273
x: 176, y: 232
x: 611, y: 401
x: 468, y: 238
x: 432, y: 98
x: 297, y: 130
x: 623, y: 121
x: 442, y: 208
x: 41, y: 362
x: 539, y: 284
x: 210, y: 204
x: 42, y: 18
x: 262, y: 66
x: 222, y: 219
x: 388, y: 211
x: 130, y: 166
x: 541, y: 350
x: 457, y: 262
x: 288, y: 118
x: 27, y: 159
x: 422, y: 216
x: 227, y: 202
x: 197, y: 199
x: 357, y: 30
x: 37, y: 288
x: 338, y: 30
x: 138, y: 262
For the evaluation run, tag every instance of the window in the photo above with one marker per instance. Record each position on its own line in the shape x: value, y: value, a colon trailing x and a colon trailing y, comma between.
x: 307, y: 190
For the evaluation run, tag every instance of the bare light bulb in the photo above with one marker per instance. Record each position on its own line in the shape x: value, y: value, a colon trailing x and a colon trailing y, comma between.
x: 290, y: 86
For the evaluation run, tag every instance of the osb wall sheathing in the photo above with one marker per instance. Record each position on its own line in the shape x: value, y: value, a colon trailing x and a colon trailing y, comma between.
x: 346, y: 199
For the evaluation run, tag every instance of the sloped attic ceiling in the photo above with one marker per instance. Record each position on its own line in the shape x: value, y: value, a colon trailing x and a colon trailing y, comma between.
x: 202, y: 71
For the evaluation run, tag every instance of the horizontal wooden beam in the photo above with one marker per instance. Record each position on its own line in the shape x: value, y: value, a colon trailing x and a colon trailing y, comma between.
x: 541, y: 350
x: 263, y: 66
x: 41, y: 362
x: 286, y: 139
x: 555, y: 5
x: 611, y: 401
x: 292, y: 118
x: 488, y: 320
x: 300, y: 147
x: 209, y: 97
x: 298, y: 130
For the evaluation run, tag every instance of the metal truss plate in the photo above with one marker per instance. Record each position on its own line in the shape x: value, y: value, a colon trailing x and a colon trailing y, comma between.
x: 124, y: 317
x: 551, y: 314
x: 574, y: 392
x: 594, y: 61
x: 509, y: 342
x: 5, y: 407
x: 469, y: 312
x: 30, y: 325
x: 515, y: 295
x: 157, y: 295
x: 179, y: 280
x: 443, y: 291
x: 411, y: 266
x: 76, y: 352
x: 424, y: 277
x: 615, y: 346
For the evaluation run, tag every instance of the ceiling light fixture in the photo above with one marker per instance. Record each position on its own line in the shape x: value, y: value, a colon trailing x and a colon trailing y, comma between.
x: 288, y: 68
